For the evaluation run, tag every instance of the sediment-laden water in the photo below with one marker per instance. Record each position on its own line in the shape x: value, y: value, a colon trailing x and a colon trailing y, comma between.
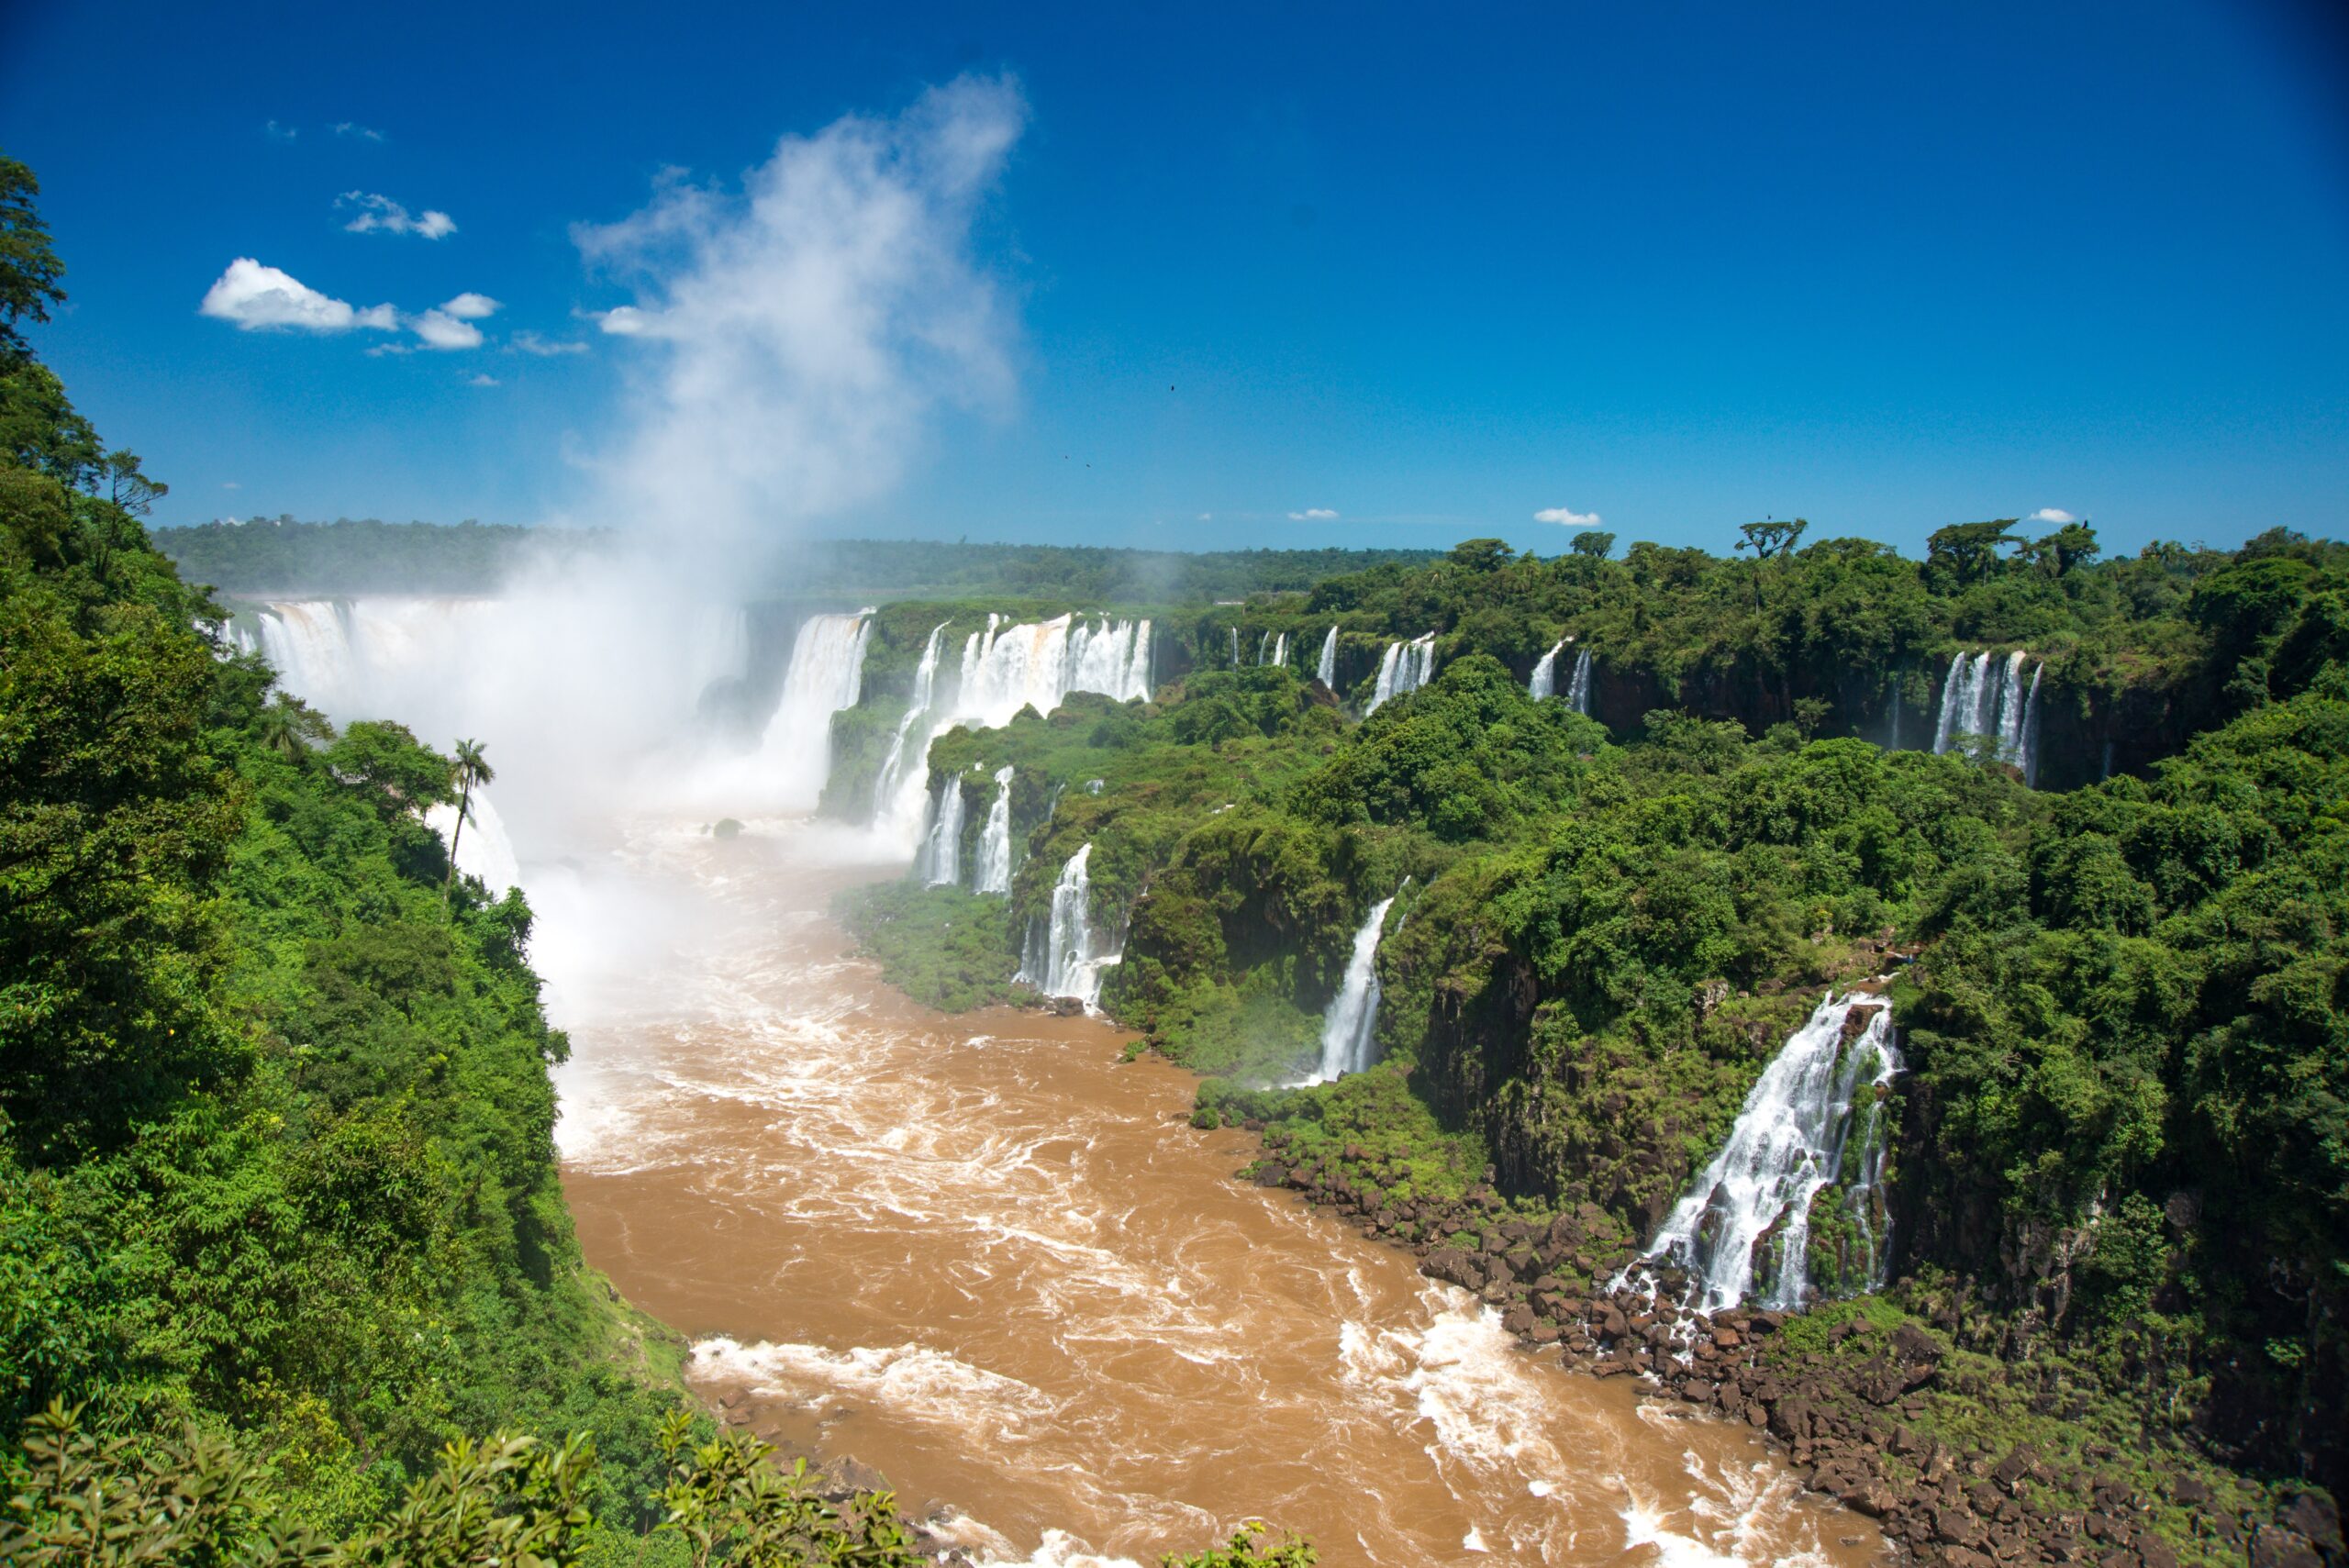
x: 990, y: 1258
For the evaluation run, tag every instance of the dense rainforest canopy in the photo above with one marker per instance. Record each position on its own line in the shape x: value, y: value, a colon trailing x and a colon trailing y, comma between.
x: 2121, y: 1162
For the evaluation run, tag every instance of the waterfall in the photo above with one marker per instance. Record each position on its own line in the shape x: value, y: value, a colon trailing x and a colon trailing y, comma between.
x: 825, y: 675
x: 885, y: 784
x: 1325, y: 670
x: 1280, y: 649
x: 1990, y: 699
x: 1006, y: 668
x: 1067, y: 958
x: 1748, y: 1213
x: 1264, y: 647
x: 1545, y: 683
x: 1349, y: 1027
x: 993, y: 873
x: 1235, y: 647
x: 1404, y: 667
x: 941, y: 861
x: 311, y: 645
x: 482, y: 848
x: 1578, y: 684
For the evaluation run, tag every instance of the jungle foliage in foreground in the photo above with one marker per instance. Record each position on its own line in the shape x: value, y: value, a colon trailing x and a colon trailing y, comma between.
x: 281, y: 1235
x: 2124, y: 1155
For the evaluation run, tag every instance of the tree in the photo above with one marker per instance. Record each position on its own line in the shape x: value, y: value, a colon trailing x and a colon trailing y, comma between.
x: 130, y: 489
x: 1969, y: 551
x: 1593, y: 543
x: 290, y: 726
x: 1772, y: 537
x: 1482, y: 554
x: 29, y: 265
x: 472, y: 768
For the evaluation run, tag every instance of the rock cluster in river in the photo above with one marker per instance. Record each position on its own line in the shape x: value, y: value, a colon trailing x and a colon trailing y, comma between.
x: 1846, y: 1422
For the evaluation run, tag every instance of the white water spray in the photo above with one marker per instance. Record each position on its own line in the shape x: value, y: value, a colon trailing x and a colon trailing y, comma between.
x: 1544, y: 682
x: 1325, y: 669
x: 1578, y: 685
x: 1983, y: 696
x: 993, y: 870
x: 885, y: 784
x: 1815, y: 1117
x: 1350, y: 1026
x: 941, y: 861
x: 1067, y: 957
x: 1404, y: 667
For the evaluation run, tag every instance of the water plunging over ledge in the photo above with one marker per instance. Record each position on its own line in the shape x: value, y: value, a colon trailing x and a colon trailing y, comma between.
x: 987, y: 1256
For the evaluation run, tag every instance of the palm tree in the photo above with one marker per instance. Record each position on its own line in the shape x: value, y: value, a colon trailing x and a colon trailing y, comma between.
x: 472, y: 768
x: 289, y: 727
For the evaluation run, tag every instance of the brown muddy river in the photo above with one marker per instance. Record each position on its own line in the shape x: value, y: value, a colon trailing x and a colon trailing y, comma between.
x: 987, y: 1256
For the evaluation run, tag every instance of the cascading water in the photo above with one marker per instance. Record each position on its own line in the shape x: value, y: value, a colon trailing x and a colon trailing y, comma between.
x: 993, y: 873
x: 1544, y: 682
x: 1350, y: 1026
x: 1280, y: 649
x: 1004, y: 669
x: 1235, y: 647
x: 1325, y: 669
x: 482, y: 849
x: 826, y: 674
x: 311, y: 644
x: 1749, y: 1212
x: 941, y: 861
x: 1578, y: 684
x: 1067, y: 957
x: 1404, y: 667
x: 1983, y: 696
x: 886, y: 782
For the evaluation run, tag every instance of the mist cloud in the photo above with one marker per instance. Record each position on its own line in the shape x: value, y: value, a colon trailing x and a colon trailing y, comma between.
x: 797, y: 336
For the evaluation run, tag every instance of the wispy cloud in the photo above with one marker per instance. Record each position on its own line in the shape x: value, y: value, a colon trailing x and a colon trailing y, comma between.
x: 280, y: 132
x: 1312, y: 515
x: 1567, y: 516
x: 529, y: 342
x: 254, y: 297
x: 2050, y: 514
x: 363, y: 133
x: 482, y: 378
x: 800, y: 334
x: 380, y: 215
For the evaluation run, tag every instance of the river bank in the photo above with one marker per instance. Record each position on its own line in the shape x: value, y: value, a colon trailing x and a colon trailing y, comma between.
x: 987, y: 1256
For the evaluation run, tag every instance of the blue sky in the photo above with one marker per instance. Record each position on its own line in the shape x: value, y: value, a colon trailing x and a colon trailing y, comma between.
x: 1429, y: 271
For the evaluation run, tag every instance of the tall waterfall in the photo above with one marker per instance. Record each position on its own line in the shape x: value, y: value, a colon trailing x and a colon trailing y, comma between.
x: 1067, y: 958
x: 1545, y: 674
x: 1325, y: 669
x: 1264, y: 648
x: 885, y: 784
x: 1985, y: 696
x: 1004, y: 669
x: 825, y: 675
x: 1349, y: 1028
x: 993, y: 873
x: 1280, y: 651
x: 1815, y: 1117
x: 1578, y: 684
x: 941, y: 861
x: 482, y: 848
x: 1404, y: 667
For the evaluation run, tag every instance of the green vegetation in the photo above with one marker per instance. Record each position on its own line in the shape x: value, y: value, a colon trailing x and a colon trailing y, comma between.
x: 369, y: 556
x: 2119, y: 1147
x: 278, y: 555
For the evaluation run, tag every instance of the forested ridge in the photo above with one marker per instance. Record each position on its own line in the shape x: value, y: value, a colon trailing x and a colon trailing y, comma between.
x: 2119, y: 1178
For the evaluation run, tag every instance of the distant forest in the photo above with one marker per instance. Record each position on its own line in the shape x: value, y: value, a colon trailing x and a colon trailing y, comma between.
x: 283, y: 556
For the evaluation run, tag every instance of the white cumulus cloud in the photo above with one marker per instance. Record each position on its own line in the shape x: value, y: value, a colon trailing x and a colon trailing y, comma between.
x: 380, y: 215
x: 472, y: 306
x: 438, y: 330
x: 1567, y: 516
x: 800, y: 335
x: 254, y: 297
x: 480, y: 379
x: 347, y: 127
x: 1312, y: 515
x: 2050, y: 514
